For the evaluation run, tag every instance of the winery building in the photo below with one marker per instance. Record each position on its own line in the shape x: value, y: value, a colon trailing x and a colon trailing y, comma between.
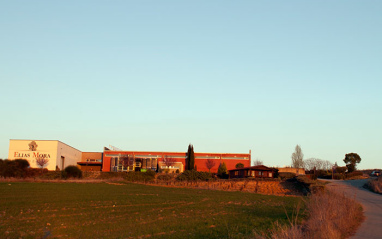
x: 58, y: 154
x: 61, y: 155
x: 155, y: 160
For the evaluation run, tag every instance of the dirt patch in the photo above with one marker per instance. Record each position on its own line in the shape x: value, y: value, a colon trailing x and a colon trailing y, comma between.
x: 278, y: 188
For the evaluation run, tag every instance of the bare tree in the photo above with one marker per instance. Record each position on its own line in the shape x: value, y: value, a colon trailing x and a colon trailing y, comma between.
x: 318, y: 164
x: 309, y: 164
x: 258, y: 162
x: 41, y: 161
x: 327, y: 165
x: 210, y: 163
x: 297, y: 158
x: 169, y: 161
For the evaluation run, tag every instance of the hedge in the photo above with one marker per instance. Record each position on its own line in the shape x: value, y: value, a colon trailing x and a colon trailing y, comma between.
x: 286, y: 175
x: 193, y: 175
x: 14, y: 168
x: 72, y: 172
x: 354, y: 174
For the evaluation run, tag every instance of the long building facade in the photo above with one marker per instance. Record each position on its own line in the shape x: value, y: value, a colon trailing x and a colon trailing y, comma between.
x: 61, y: 155
x: 120, y: 161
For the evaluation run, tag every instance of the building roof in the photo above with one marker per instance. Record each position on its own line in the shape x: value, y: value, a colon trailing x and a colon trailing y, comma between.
x: 258, y: 167
x: 90, y: 163
x: 45, y: 140
x: 106, y: 149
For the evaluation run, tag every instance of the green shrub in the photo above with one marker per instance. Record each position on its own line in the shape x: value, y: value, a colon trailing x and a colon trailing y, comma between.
x: 129, y: 176
x: 110, y: 175
x: 341, y: 169
x: 286, y: 175
x: 22, y: 163
x: 164, y: 177
x: 239, y: 165
x: 150, y: 173
x: 51, y: 175
x: 305, y: 180
x: 354, y: 174
x: 338, y: 176
x: 72, y: 172
x: 312, y: 176
x: 222, y: 169
x: 375, y: 185
x: 35, y: 172
x: 139, y: 176
x: 193, y: 175
x: 13, y: 168
x: 326, y: 176
x: 308, y: 185
x: 323, y: 174
x: 276, y: 173
x: 64, y: 174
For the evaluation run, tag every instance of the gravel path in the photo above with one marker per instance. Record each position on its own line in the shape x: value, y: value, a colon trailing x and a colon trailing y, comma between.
x: 372, y: 204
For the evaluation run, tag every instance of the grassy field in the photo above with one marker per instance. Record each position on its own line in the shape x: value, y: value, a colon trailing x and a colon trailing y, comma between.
x: 101, y: 210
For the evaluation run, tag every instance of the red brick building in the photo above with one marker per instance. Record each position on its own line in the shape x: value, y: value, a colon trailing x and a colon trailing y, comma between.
x: 145, y: 160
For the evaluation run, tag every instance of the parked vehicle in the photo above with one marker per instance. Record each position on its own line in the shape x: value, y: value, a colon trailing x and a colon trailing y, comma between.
x: 375, y: 174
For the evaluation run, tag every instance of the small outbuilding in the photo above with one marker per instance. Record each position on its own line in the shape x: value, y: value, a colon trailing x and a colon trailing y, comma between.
x: 259, y: 171
x: 297, y: 171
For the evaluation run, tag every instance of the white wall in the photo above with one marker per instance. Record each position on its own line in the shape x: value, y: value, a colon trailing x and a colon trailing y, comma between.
x: 50, y: 149
x: 71, y: 155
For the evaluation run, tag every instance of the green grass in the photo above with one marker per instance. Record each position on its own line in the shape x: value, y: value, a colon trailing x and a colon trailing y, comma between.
x: 100, y: 210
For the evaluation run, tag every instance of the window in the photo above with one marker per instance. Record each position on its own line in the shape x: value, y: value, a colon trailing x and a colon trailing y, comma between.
x: 114, y: 164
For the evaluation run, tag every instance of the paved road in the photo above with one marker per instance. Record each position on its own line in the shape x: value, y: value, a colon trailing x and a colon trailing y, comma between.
x: 372, y: 204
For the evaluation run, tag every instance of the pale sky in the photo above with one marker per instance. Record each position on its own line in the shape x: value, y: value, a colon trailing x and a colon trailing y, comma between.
x: 226, y: 76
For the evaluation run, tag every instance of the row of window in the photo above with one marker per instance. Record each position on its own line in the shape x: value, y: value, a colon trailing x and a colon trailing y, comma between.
x: 117, y: 165
x: 177, y: 157
x: 254, y: 173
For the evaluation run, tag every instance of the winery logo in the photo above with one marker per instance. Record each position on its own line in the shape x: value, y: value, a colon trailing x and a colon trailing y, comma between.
x: 32, y: 146
x: 31, y: 155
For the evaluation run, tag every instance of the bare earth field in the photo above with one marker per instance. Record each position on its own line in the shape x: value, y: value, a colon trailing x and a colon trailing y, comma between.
x: 120, y: 210
x: 253, y: 186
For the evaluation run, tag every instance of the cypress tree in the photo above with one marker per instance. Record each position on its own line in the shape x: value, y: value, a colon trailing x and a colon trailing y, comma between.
x: 190, y: 160
x: 187, y: 166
